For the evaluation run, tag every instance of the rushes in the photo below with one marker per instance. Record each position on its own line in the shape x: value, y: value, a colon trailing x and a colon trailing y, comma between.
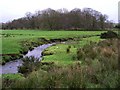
x: 68, y: 49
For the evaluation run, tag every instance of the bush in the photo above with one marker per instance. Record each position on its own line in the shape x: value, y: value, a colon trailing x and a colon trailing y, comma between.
x: 108, y: 34
x: 56, y: 77
x: 29, y: 64
x: 73, y: 76
x: 87, y: 52
x: 102, y: 63
x: 80, y: 54
x: 111, y: 79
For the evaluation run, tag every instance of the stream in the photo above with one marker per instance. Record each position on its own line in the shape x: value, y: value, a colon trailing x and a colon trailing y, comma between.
x: 12, y: 66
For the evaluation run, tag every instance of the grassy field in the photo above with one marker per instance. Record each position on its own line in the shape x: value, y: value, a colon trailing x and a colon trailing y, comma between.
x: 11, y: 38
x: 95, y: 68
x: 11, y: 42
x: 77, y: 63
x: 60, y: 55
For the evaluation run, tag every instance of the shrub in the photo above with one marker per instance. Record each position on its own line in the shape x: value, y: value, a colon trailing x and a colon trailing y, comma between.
x: 109, y: 79
x: 56, y: 77
x: 80, y: 54
x: 87, y: 52
x: 29, y: 64
x: 73, y: 76
x: 109, y: 34
x: 102, y: 63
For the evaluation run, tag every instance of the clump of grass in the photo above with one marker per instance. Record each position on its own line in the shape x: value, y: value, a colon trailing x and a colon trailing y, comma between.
x: 5, y: 59
x: 46, y: 52
x: 68, y: 49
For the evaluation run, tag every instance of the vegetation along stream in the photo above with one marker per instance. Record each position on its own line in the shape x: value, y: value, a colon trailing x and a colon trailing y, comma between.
x: 12, y: 66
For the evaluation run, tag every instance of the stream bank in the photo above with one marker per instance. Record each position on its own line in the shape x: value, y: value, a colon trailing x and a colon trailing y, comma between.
x: 36, y: 52
x: 12, y: 66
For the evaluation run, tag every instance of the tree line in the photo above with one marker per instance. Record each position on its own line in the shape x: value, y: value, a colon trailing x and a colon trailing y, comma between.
x: 50, y: 19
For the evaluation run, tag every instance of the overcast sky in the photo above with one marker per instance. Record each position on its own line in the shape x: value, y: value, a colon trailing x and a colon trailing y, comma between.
x: 13, y: 9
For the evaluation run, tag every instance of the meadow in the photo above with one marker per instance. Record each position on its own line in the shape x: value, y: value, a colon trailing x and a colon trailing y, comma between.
x: 11, y: 38
x: 61, y: 56
x: 79, y: 62
x: 16, y: 42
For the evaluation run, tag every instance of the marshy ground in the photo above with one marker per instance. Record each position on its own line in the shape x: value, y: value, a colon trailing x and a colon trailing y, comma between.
x: 82, y: 60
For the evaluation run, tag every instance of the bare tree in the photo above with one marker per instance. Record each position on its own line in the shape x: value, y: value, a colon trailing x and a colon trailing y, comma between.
x: 61, y: 19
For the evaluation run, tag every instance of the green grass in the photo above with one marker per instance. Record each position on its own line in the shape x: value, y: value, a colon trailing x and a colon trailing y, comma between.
x: 61, y: 57
x: 64, y: 76
x: 12, y: 76
x: 11, y: 44
x: 88, y: 40
x: 93, y: 73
